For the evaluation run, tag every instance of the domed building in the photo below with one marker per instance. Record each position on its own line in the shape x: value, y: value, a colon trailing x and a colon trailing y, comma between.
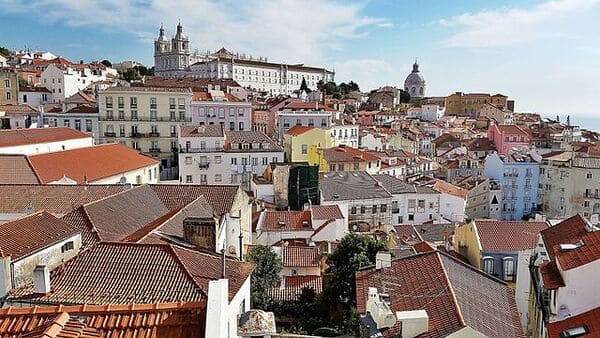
x: 415, y: 82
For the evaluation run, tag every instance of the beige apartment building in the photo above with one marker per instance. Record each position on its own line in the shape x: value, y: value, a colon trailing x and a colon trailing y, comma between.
x: 9, y: 86
x: 145, y: 118
x: 569, y: 184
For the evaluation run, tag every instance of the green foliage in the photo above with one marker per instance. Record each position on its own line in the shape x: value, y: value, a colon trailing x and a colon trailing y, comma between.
x: 4, y: 51
x: 338, y: 91
x: 106, y: 63
x: 266, y: 273
x: 136, y: 73
x: 354, y: 252
x: 325, y: 332
x: 23, y: 82
x: 404, y: 96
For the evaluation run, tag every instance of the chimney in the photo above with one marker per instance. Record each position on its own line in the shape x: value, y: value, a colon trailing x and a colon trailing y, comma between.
x: 200, y: 231
x: 379, y: 310
x: 41, y: 279
x: 383, y: 260
x: 414, y: 323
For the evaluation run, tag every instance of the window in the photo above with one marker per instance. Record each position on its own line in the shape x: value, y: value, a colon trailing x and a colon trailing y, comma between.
x: 132, y: 102
x: 356, y: 166
x: 488, y: 265
x: 67, y: 247
x: 153, y: 103
x: 122, y: 130
x: 231, y: 111
x: 231, y: 125
x: 241, y: 126
x: 353, y: 210
x: 374, y: 208
x: 363, y: 209
x: 383, y: 208
x: 233, y: 160
x: 88, y: 125
x: 171, y: 103
x: 509, y: 269
x: 305, y: 148
x: 7, y: 83
x: 218, y: 159
x: 109, y: 102
x: 188, y: 179
x: 218, y: 178
x: 589, y: 176
x: 188, y: 160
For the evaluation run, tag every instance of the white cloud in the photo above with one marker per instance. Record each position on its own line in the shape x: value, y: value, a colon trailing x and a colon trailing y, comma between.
x: 284, y: 30
x: 512, y: 26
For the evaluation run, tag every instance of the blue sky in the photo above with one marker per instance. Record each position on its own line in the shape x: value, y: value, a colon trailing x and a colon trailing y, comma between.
x: 543, y: 54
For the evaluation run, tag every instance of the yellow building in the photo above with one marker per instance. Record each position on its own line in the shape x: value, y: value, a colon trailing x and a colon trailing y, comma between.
x: 299, y: 139
x: 9, y: 86
x: 466, y: 242
x: 472, y: 103
x: 343, y: 158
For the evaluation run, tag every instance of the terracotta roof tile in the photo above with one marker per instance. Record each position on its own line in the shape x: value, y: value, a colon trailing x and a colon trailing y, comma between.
x: 511, y: 129
x: 298, y: 130
x: 91, y: 163
x: 300, y: 256
x: 566, y: 232
x: 196, y: 84
x: 16, y: 169
x: 453, y: 293
x: 588, y: 319
x: 450, y: 189
x: 15, y: 137
x: 326, y: 212
x: 28, y: 234
x: 291, y: 287
x: 508, y: 236
x: 131, y: 320
x: 220, y: 197
x: 347, y: 154
x: 202, y: 131
x: 154, y: 273
x: 551, y: 276
x: 286, y: 220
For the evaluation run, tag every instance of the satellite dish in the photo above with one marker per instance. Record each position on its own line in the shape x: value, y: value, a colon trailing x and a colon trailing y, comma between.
x: 123, y: 180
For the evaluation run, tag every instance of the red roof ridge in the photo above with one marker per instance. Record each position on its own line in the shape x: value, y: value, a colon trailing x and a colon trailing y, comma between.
x: 321, y: 227
x: 87, y: 308
x: 173, y: 252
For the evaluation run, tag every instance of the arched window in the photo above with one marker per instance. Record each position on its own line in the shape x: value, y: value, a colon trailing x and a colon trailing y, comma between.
x: 413, y: 90
x: 488, y: 265
x: 421, y: 90
x: 509, y: 269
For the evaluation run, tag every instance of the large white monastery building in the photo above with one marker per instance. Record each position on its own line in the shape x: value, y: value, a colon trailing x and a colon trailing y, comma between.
x: 173, y: 58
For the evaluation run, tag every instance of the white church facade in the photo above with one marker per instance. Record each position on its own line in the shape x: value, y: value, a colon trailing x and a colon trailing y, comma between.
x: 173, y: 58
x: 415, y: 83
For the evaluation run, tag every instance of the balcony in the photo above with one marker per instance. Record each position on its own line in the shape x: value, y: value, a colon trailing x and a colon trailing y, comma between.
x: 154, y: 134
x: 590, y: 194
x: 173, y: 134
x: 154, y: 150
x: 203, y: 165
x: 200, y: 150
x: 110, y: 134
x: 136, y: 135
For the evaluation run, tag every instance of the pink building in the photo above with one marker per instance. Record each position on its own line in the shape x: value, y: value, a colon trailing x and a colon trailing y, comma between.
x: 507, y: 137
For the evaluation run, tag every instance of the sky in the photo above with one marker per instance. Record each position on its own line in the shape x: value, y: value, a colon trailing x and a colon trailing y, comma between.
x: 543, y: 54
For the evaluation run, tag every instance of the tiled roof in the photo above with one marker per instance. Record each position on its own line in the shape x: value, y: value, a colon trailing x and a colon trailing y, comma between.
x: 566, y: 232
x: 551, y: 276
x: 588, y: 319
x: 584, y: 254
x: 117, y: 216
x: 450, y: 189
x: 202, y: 131
x: 298, y: 130
x: 297, y: 105
x: 80, y: 97
x: 508, y: 236
x: 326, y: 212
x: 83, y: 109
x: 90, y: 163
x: 406, y: 234
x: 358, y: 185
x: 511, y: 129
x: 291, y: 287
x: 206, y: 96
x: 176, y: 90
x: 454, y: 294
x: 16, y: 137
x: 31, y: 233
x: 347, y: 154
x: 131, y: 320
x: 300, y: 256
x: 16, y: 169
x: 55, y: 199
x: 220, y: 197
x: 250, y: 137
x: 480, y: 144
x: 18, y: 109
x: 394, y: 185
x: 286, y: 220
x: 63, y: 326
x: 153, y: 273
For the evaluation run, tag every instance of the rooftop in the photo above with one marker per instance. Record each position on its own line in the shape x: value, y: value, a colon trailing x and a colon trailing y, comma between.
x: 344, y: 186
x: 300, y: 256
x: 28, y: 234
x: 508, y: 236
x: 286, y: 220
x: 298, y: 130
x: 96, y: 276
x: 344, y: 153
x: 454, y: 294
x: 16, y: 137
x: 202, y: 131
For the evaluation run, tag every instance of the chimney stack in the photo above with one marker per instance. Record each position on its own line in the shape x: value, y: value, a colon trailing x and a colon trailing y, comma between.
x: 414, y: 323
x: 41, y: 279
x: 200, y: 231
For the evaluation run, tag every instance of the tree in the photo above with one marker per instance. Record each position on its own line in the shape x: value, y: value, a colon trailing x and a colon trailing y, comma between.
x: 106, y: 63
x: 304, y: 87
x: 404, y: 96
x: 4, y: 51
x: 130, y: 74
x: 266, y: 273
x: 354, y: 252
